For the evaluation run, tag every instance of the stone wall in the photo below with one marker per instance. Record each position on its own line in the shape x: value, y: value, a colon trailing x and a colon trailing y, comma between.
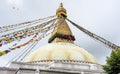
x: 53, y: 68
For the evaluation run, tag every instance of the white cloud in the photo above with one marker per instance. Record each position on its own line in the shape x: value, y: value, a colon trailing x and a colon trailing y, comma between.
x: 15, y: 2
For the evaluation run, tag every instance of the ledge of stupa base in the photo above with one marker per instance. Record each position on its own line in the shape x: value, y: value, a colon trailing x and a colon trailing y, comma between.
x: 59, y: 66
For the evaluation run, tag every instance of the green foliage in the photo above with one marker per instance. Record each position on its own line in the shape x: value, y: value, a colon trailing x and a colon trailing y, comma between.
x: 113, y: 63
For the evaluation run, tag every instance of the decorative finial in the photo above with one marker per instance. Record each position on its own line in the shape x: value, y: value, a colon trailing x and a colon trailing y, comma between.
x: 61, y: 4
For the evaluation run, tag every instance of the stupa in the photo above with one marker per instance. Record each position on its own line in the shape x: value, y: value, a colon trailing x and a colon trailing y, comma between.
x: 60, y: 56
x: 61, y: 45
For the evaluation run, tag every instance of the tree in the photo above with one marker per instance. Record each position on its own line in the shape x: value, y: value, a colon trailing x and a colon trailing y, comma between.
x: 113, y: 63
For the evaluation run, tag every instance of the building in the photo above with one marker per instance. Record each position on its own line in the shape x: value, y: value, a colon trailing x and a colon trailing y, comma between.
x: 60, y: 56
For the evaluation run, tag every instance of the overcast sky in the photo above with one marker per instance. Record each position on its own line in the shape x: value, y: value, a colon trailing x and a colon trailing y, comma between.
x: 101, y: 17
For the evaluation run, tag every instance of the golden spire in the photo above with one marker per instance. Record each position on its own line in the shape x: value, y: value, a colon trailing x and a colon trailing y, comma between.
x: 61, y: 32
